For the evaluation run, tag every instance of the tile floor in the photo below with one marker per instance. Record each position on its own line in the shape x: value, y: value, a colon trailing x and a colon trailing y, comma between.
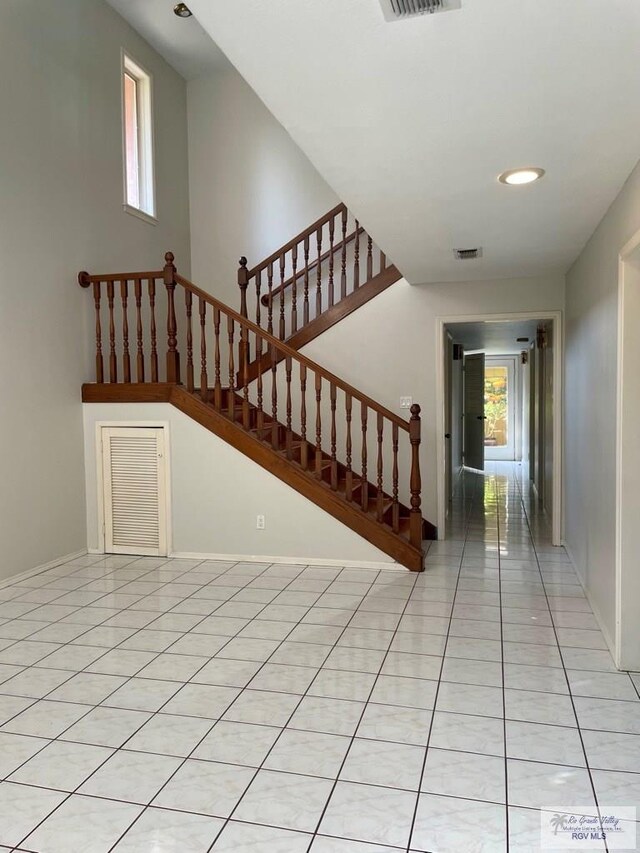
x: 175, y: 706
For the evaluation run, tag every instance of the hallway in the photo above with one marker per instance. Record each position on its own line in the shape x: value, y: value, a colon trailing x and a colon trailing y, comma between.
x: 521, y: 622
x: 181, y: 706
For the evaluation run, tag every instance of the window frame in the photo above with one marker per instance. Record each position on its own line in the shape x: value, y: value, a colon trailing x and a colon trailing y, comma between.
x: 147, y: 209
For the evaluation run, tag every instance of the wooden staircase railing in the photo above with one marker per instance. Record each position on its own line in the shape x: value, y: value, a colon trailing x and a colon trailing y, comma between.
x: 311, y: 275
x: 303, y: 412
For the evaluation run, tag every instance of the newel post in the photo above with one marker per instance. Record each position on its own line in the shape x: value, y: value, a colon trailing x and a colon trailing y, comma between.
x: 243, y: 283
x: 173, y: 357
x: 415, y: 483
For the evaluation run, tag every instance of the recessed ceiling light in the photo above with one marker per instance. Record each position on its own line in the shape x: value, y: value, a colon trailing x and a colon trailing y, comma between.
x: 517, y: 177
x: 182, y: 10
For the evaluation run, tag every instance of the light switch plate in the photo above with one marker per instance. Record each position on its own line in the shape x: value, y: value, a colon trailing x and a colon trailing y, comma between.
x: 406, y: 402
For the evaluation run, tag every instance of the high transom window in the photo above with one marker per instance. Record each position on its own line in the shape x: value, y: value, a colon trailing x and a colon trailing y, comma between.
x: 138, y: 138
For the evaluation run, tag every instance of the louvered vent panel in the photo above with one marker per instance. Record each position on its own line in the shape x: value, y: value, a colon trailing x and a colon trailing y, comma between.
x: 400, y: 9
x: 415, y: 7
x: 134, y: 494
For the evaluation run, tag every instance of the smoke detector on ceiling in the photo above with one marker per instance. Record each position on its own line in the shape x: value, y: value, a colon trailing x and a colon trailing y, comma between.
x: 398, y: 10
x: 467, y: 254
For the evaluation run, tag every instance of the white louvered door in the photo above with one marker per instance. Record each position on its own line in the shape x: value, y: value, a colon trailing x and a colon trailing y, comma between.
x: 135, y: 490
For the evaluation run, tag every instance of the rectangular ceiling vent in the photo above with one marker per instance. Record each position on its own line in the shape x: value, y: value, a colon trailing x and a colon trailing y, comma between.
x: 467, y: 254
x: 398, y: 10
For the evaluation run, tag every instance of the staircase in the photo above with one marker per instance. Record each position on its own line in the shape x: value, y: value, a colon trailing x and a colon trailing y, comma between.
x: 308, y: 285
x: 339, y: 448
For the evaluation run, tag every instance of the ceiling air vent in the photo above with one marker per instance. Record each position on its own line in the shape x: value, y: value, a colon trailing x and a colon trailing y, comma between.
x: 467, y: 254
x: 397, y: 10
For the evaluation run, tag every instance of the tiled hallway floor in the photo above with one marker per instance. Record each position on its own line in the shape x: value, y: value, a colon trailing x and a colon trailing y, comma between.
x: 175, y: 706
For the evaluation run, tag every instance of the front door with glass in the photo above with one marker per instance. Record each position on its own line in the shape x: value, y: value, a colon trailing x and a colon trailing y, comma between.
x: 500, y: 400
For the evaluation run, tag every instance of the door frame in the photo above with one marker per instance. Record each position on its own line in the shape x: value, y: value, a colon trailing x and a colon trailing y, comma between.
x: 626, y: 652
x: 100, y: 516
x: 556, y: 317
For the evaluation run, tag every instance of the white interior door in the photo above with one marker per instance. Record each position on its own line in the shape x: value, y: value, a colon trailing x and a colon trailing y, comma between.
x: 135, y: 490
x: 474, y: 411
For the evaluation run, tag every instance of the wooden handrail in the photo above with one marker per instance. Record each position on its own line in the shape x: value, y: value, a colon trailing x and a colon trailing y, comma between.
x: 85, y: 279
x: 308, y: 232
x: 311, y: 266
x: 288, y: 351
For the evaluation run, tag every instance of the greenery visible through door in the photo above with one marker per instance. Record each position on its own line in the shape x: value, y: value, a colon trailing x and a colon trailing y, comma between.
x: 495, y: 406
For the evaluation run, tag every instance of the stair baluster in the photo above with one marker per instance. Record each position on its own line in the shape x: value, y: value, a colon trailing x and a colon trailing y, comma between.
x: 217, y: 383
x: 319, y: 273
x: 334, y: 461
x: 343, y: 263
x: 356, y: 259
x: 126, y: 358
x: 364, y: 413
x: 99, y: 361
x: 260, y: 423
x: 349, y: 472
x: 231, y: 393
x: 258, y: 296
x: 318, y: 426
x: 137, y: 285
x: 275, y: 432
x: 304, y: 447
x: 289, y: 435
x: 151, y: 283
x: 395, y: 506
x: 244, y: 344
x: 331, y: 295
x: 113, y: 359
x: 204, y: 379
x: 270, y: 298
x: 305, y: 308
x: 188, y: 301
x: 294, y: 289
x: 380, y: 477
x: 281, y: 327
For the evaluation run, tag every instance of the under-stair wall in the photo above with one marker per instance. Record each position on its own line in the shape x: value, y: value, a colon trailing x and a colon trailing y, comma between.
x: 217, y: 493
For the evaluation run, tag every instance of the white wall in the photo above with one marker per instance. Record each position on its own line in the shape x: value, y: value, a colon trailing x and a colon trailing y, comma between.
x: 217, y: 492
x: 251, y: 187
x: 61, y: 190
x: 388, y: 348
x: 590, y: 400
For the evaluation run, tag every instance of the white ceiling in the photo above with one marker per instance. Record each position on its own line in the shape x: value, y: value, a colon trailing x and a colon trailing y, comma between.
x: 497, y: 338
x: 181, y: 41
x: 412, y: 121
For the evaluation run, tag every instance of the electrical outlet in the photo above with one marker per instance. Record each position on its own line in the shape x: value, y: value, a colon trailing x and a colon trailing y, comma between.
x: 406, y: 402
x: 260, y: 522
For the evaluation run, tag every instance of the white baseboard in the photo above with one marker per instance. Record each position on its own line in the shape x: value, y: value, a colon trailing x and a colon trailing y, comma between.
x: 289, y: 561
x: 601, y: 623
x: 29, y: 573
